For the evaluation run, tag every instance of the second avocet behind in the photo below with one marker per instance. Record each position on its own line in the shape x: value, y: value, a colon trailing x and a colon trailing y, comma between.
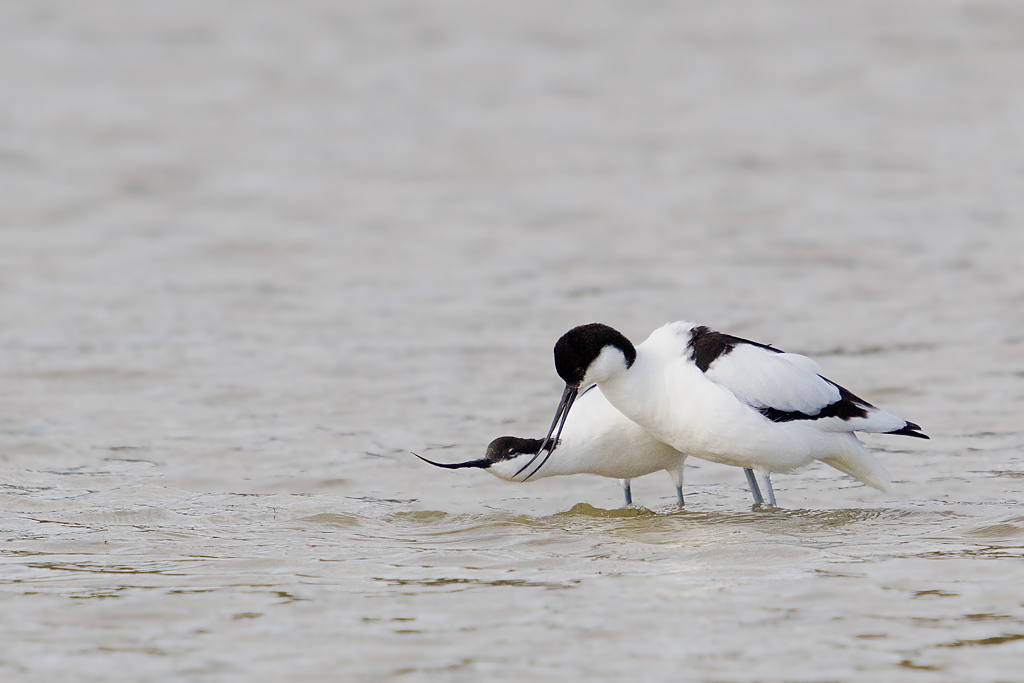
x: 598, y: 440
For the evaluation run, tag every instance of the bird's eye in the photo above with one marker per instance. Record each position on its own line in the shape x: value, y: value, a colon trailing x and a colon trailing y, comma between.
x: 511, y: 451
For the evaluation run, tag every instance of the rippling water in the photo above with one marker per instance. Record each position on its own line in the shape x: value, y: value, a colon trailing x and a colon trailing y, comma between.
x: 251, y: 255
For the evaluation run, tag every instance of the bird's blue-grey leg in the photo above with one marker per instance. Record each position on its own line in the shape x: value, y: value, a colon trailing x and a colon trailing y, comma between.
x: 677, y: 475
x: 766, y: 479
x: 755, y: 491
x: 626, y: 492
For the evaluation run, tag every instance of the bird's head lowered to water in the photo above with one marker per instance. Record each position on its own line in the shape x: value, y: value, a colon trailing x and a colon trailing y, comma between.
x: 504, y: 458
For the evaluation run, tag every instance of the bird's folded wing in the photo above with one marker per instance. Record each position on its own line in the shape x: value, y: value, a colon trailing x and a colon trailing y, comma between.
x: 782, y: 386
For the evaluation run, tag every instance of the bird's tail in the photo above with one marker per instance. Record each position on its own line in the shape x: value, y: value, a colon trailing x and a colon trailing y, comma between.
x: 853, y: 459
x: 910, y: 429
x: 878, y: 421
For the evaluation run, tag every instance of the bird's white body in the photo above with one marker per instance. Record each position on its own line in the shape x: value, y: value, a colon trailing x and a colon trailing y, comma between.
x: 598, y: 439
x: 717, y: 413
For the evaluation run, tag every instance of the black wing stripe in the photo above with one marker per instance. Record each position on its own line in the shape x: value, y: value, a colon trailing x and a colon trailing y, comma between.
x: 847, y: 407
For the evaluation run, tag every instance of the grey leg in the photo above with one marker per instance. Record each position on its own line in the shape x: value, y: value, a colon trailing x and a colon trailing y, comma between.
x: 626, y: 492
x: 755, y: 491
x: 677, y: 475
x: 767, y: 481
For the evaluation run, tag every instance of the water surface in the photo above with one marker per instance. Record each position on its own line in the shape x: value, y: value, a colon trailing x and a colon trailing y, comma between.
x: 252, y: 255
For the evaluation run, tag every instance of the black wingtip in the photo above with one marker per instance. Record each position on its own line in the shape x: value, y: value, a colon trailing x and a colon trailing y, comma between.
x: 911, y: 429
x: 482, y: 463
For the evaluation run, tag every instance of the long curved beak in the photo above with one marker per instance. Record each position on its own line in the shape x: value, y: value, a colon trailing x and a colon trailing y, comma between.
x: 482, y: 463
x: 561, y: 413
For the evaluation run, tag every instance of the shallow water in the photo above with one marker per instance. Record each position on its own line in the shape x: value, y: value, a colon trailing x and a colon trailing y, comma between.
x: 251, y: 256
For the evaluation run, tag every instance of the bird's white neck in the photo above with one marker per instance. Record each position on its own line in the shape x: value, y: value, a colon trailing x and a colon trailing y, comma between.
x: 629, y: 389
x: 609, y: 363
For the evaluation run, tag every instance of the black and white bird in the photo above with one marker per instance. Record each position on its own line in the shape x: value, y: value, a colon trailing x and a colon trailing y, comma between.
x: 597, y: 440
x: 724, y: 399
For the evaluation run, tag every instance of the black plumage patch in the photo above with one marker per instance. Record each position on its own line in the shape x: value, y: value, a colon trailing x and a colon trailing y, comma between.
x: 706, y: 346
x: 847, y: 407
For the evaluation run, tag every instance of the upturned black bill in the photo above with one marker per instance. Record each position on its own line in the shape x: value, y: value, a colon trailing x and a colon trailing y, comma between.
x: 482, y: 463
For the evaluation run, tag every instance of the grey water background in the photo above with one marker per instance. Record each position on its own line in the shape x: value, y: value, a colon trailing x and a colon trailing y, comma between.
x: 252, y: 254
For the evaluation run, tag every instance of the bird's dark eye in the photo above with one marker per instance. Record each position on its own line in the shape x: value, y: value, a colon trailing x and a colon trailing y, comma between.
x: 511, y: 451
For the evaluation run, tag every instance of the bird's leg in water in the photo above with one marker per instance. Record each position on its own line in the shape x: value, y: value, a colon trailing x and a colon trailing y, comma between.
x: 767, y: 481
x: 626, y: 492
x: 755, y: 491
x: 677, y: 475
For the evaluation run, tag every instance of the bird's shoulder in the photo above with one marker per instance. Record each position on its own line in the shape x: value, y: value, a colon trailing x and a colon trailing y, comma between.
x: 699, y: 344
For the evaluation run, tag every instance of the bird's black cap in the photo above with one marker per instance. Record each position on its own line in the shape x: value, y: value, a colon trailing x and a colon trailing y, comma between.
x: 508, y: 447
x: 578, y: 348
